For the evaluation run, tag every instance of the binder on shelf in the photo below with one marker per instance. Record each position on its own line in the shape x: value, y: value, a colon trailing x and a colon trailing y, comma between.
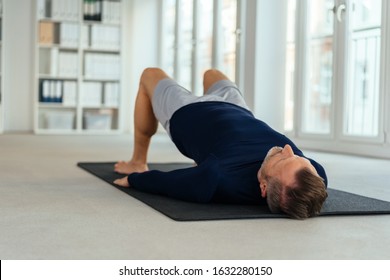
x: 111, y: 95
x: 45, y: 91
x: 85, y: 36
x: 58, y: 91
x: 50, y: 91
x: 69, y: 92
x: 65, y: 10
x: 93, y: 10
x: 111, y: 12
x: 42, y: 9
x: 102, y: 66
x: 91, y: 94
x: 105, y: 37
x: 68, y: 64
x: 46, y: 32
x: 69, y: 34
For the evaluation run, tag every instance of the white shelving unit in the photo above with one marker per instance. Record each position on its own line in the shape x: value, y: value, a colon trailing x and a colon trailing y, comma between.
x: 1, y: 69
x: 78, y: 66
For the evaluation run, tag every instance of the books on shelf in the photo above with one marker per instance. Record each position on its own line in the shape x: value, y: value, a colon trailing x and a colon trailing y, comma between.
x: 58, y: 9
x: 96, y: 94
x: 102, y: 66
x: 69, y: 34
x: 92, y: 10
x: 91, y: 94
x: 69, y: 93
x: 68, y: 65
x: 108, y: 11
x: 46, y: 32
x: 111, y: 11
x: 57, y: 91
x: 85, y: 36
x: 111, y: 94
x: 66, y: 34
x: 79, y: 63
x: 105, y: 37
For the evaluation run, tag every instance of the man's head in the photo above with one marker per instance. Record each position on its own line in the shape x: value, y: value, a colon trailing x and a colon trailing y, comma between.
x: 291, y: 184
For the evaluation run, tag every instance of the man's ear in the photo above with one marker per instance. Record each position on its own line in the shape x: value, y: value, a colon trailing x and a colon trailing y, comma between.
x: 263, y: 188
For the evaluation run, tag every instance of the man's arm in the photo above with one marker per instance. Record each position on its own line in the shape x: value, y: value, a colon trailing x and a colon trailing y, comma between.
x: 196, y: 184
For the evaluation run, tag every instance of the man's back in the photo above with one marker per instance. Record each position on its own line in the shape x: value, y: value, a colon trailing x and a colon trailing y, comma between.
x: 232, y: 143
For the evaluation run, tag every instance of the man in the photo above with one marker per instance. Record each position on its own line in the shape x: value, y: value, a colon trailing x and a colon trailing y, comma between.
x: 239, y: 159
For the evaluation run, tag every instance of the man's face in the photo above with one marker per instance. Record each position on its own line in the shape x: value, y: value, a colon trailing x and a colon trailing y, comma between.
x: 282, y: 163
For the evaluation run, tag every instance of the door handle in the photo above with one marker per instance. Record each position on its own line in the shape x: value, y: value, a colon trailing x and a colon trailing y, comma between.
x: 339, y: 10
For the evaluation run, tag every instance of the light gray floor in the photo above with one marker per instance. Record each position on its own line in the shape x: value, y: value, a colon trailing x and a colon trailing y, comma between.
x: 51, y: 209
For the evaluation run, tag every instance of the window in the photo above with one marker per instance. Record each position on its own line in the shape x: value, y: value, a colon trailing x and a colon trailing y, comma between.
x: 319, y: 62
x: 335, y: 71
x: 190, y: 31
x: 362, y: 100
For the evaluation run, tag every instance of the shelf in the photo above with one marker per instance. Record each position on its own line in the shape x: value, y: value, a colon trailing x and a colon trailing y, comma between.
x: 58, y: 20
x: 56, y: 105
x: 98, y: 22
x: 102, y: 50
x: 85, y: 79
x: 72, y: 58
x: 57, y: 46
x: 102, y: 107
x: 53, y: 77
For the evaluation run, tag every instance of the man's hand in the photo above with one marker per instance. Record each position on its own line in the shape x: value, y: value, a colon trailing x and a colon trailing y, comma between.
x: 122, y: 182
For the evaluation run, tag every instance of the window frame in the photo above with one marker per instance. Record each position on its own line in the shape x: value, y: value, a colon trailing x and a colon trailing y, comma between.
x: 337, y: 140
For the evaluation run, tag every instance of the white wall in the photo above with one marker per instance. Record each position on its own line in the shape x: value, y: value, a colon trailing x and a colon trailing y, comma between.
x: 17, y: 72
x: 141, y: 50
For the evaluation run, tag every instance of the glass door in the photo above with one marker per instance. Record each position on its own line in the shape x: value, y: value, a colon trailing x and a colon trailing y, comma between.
x: 336, y: 70
x: 362, y: 98
x: 318, y: 78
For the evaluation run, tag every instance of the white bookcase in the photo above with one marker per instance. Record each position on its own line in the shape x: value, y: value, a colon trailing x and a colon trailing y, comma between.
x: 1, y: 69
x: 78, y: 66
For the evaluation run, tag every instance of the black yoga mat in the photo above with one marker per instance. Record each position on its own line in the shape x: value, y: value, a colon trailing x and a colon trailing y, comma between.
x: 338, y: 202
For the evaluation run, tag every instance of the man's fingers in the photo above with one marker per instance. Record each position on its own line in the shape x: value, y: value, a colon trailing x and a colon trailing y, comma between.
x: 122, y: 182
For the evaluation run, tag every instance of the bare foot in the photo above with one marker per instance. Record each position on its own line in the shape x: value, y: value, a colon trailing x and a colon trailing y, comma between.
x: 128, y: 167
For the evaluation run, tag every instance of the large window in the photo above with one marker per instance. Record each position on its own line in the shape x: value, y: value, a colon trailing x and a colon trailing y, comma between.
x: 198, y: 35
x: 336, y: 70
x: 362, y: 100
x: 318, y: 42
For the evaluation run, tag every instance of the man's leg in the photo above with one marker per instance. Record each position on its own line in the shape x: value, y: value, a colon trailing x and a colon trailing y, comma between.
x: 210, y: 77
x: 145, y: 122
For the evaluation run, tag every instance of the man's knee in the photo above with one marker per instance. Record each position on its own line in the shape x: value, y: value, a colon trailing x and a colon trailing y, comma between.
x: 150, y: 77
x: 211, y: 73
x: 212, y: 76
x: 151, y: 73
